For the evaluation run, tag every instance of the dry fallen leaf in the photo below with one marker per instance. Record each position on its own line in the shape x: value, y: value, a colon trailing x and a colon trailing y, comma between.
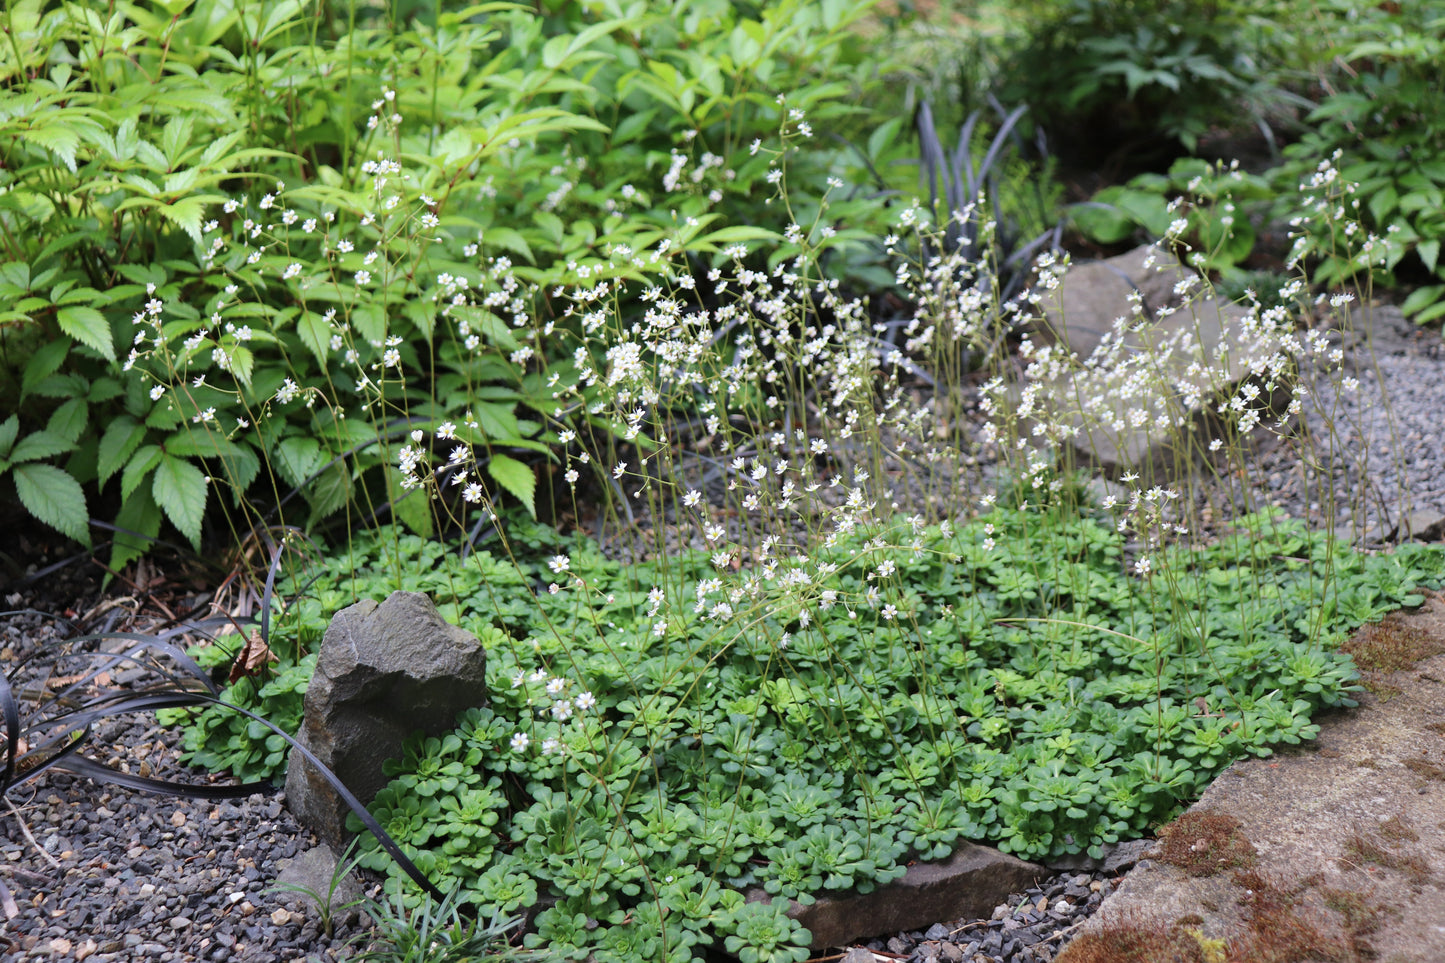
x: 252, y: 658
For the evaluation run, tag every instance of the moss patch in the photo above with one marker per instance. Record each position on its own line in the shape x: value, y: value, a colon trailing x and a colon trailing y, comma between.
x: 1203, y: 843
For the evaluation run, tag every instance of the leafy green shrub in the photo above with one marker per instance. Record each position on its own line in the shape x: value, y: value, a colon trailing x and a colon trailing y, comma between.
x: 1378, y: 126
x: 231, y: 193
x: 1213, y: 202
x: 1129, y: 80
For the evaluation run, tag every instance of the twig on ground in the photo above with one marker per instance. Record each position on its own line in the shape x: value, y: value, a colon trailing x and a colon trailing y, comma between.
x: 26, y: 830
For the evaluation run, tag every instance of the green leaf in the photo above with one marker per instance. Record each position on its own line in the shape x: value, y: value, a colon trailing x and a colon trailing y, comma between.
x: 296, y: 459
x: 122, y: 437
x: 329, y: 492
x: 411, y: 507
x: 55, y: 498
x: 69, y: 420
x: 1422, y: 299
x: 9, y: 430
x: 186, y: 214
x: 517, y: 478
x: 180, y: 490
x: 137, y: 468
x: 57, y: 138
x: 89, y: 327
x: 139, y: 515
x: 739, y: 233
x: 1103, y: 222
x: 1429, y: 252
x: 38, y: 445
x: 42, y: 364
x: 315, y: 333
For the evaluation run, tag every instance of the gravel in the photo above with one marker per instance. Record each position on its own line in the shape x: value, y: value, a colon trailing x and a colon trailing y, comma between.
x: 1030, y: 927
x: 103, y: 873
x: 108, y: 874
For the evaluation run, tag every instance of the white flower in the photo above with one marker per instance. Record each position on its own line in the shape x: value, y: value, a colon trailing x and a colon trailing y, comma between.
x: 472, y: 493
x: 585, y: 701
x: 157, y: 391
x: 521, y: 741
x: 559, y: 563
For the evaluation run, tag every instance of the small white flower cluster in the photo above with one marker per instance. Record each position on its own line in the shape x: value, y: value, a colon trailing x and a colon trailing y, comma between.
x: 551, y: 698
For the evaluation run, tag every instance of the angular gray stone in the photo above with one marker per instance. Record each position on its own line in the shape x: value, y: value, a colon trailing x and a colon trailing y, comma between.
x: 384, y: 671
x: 1091, y: 296
x: 966, y: 885
x: 312, y: 874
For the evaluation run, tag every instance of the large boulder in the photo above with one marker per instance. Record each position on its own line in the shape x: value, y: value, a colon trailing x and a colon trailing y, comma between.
x: 384, y: 672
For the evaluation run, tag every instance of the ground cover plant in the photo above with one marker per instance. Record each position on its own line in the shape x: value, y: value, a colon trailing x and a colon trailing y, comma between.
x: 1032, y: 695
x: 781, y: 584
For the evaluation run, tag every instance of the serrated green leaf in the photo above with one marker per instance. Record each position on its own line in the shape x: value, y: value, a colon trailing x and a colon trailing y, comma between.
x: 139, y: 522
x: 55, y: 498
x: 329, y: 492
x: 58, y: 138
x: 69, y: 420
x: 179, y: 489
x: 104, y: 389
x: 296, y: 459
x: 38, y: 445
x: 186, y: 214
x: 510, y: 239
x: 46, y: 360
x: 315, y: 333
x: 89, y: 327
x: 137, y: 468
x: 239, y: 468
x: 518, y: 479
x: 122, y: 437
x: 198, y: 442
x: 9, y: 431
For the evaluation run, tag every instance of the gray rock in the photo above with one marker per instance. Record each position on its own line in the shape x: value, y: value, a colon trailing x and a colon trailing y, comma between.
x: 1126, y: 855
x: 1198, y: 355
x: 384, y: 671
x: 1092, y: 295
x: 313, y: 873
x: 966, y: 885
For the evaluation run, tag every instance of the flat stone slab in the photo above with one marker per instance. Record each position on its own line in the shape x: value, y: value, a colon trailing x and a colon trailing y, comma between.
x: 968, y: 884
x: 1347, y: 833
